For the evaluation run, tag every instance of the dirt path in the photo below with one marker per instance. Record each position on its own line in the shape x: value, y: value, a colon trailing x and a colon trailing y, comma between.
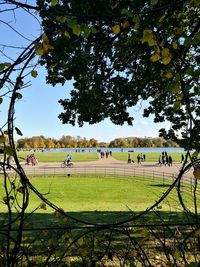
x: 111, y: 162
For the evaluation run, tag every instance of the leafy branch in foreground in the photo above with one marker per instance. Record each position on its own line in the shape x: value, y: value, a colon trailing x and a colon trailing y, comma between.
x: 136, y: 51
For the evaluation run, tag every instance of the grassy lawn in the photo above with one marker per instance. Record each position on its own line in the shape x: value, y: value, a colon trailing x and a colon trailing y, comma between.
x: 87, y: 193
x: 91, y: 156
x: 97, y: 199
x: 61, y: 156
x: 150, y: 156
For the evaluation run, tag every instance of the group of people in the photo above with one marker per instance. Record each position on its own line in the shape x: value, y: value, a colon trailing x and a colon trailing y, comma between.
x: 105, y: 154
x: 31, y: 160
x: 140, y: 158
x: 165, y: 159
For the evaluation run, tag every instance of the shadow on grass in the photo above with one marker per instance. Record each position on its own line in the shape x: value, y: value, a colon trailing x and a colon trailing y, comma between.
x: 42, y: 220
x: 160, y: 185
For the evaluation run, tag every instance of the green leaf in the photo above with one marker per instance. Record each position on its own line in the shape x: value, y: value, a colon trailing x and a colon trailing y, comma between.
x: 195, y: 154
x: 177, y: 105
x: 18, y: 96
x: 9, y: 151
x: 86, y: 30
x: 127, y: 13
x: 76, y: 29
x: 154, y: 2
x: 4, y: 65
x: 136, y: 20
x: 197, y: 90
x: 1, y: 100
x: 18, y: 131
x: 54, y: 2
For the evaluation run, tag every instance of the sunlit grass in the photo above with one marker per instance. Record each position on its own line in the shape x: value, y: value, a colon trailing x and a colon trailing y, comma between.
x: 150, y: 156
x: 60, y: 156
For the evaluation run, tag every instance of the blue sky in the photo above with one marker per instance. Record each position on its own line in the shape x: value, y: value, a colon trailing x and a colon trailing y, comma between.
x: 37, y: 112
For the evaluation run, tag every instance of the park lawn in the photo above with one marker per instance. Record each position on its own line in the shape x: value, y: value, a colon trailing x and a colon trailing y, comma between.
x: 93, y: 194
x: 91, y: 156
x: 60, y: 156
x: 150, y: 156
x: 94, y: 199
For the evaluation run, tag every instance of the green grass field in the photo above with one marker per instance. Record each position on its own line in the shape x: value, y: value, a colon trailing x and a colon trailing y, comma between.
x: 150, y: 156
x: 96, y: 199
x: 87, y: 193
x: 60, y: 156
x: 90, y: 156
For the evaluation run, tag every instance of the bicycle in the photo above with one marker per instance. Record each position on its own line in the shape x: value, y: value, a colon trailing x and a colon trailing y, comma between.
x: 65, y: 164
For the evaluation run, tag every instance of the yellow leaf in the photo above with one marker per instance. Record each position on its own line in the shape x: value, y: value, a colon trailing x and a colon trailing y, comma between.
x: 66, y: 34
x: 45, y: 38
x: 166, y: 56
x: 149, y: 37
x: 178, y: 31
x: 168, y: 75
x: 34, y: 73
x: 165, y: 52
x: 125, y: 24
x: 196, y: 174
x: 176, y: 88
x: 177, y: 254
x: 152, y: 42
x: 39, y: 49
x: 197, y: 233
x: 175, y: 45
x: 2, y: 138
x: 47, y: 47
x: 45, y: 232
x: 116, y: 29
x: 155, y: 57
x: 195, y: 154
x: 158, y: 50
x: 84, y: 253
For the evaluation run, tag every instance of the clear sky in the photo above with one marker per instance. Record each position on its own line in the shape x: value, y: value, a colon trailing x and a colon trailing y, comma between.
x: 37, y: 112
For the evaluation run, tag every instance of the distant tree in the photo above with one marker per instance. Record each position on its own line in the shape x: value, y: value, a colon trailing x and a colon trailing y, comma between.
x: 49, y: 143
x: 93, y: 142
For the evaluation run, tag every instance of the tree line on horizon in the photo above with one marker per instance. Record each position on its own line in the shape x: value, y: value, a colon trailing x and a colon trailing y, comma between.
x: 41, y: 142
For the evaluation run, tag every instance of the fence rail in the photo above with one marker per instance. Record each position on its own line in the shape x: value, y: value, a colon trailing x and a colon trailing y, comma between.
x: 105, y: 170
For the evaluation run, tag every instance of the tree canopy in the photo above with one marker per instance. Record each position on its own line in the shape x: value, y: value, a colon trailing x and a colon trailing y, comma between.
x: 122, y: 52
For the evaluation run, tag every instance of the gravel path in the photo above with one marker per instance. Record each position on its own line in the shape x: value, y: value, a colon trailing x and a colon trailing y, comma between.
x: 110, y: 162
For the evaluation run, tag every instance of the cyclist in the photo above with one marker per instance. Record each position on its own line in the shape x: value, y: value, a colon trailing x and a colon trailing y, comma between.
x: 68, y: 159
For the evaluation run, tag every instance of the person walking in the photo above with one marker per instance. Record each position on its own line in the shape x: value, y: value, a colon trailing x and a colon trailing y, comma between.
x: 170, y: 160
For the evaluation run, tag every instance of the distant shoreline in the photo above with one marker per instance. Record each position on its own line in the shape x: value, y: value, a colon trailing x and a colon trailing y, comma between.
x: 127, y: 150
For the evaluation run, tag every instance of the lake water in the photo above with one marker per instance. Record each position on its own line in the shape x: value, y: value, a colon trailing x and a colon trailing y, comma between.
x: 138, y: 149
